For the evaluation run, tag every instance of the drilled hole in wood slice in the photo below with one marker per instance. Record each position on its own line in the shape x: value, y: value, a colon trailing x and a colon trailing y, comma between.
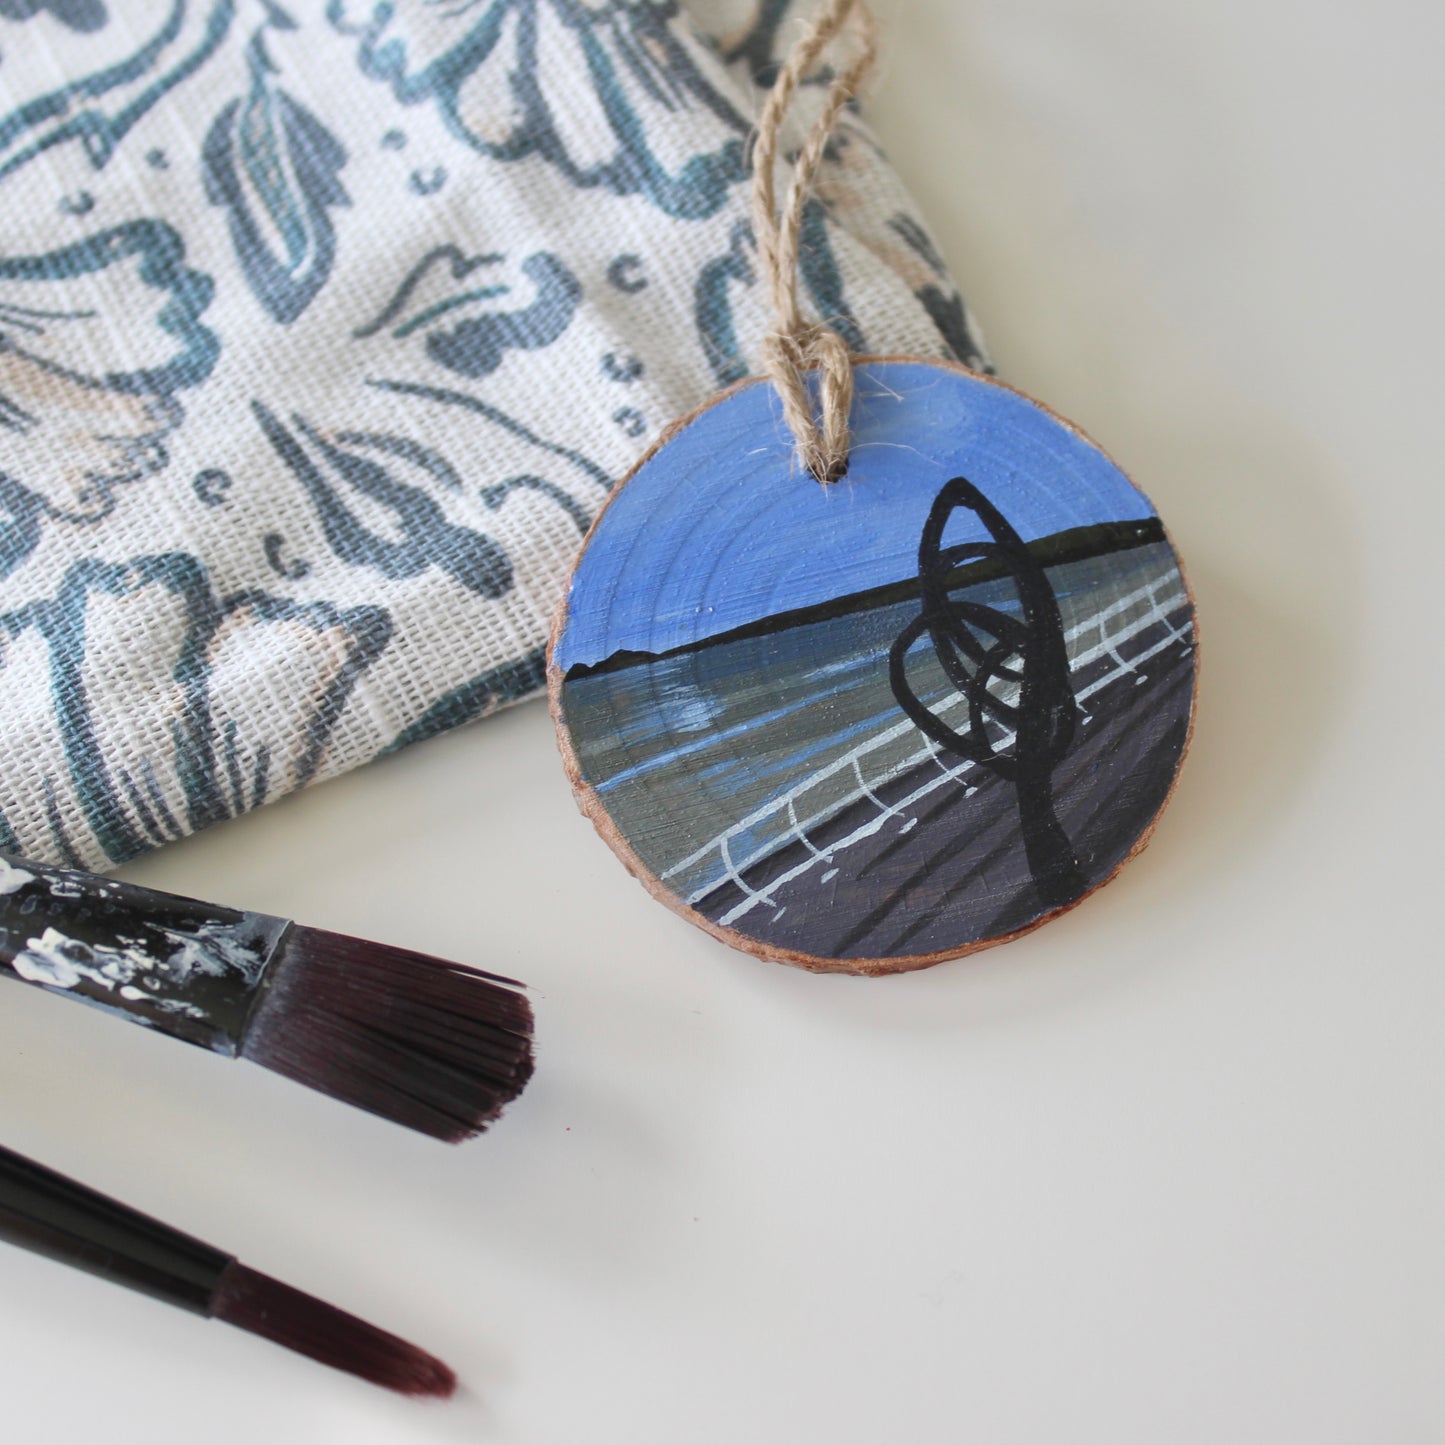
x: 871, y: 726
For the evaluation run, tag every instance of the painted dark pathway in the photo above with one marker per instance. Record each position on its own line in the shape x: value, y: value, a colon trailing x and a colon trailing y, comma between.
x: 956, y: 850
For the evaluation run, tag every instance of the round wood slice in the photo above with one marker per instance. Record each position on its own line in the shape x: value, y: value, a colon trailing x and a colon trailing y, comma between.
x: 869, y: 726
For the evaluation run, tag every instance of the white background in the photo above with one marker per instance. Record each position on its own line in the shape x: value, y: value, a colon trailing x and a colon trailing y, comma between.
x: 1168, y: 1170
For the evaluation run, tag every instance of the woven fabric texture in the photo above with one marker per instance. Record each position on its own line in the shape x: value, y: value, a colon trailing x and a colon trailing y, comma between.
x: 324, y: 330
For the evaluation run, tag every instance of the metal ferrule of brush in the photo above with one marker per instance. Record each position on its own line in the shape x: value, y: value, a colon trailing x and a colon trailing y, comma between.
x: 192, y: 970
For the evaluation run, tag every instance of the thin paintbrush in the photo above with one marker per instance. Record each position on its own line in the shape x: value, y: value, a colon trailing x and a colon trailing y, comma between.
x: 429, y: 1044
x: 43, y: 1211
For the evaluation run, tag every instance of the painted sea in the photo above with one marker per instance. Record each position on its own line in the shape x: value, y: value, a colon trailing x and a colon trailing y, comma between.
x: 772, y: 782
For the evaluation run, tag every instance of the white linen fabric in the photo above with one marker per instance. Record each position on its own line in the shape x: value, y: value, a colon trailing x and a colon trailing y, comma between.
x: 325, y: 328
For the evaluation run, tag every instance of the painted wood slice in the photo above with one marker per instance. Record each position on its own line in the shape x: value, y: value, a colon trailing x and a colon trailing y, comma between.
x: 870, y: 726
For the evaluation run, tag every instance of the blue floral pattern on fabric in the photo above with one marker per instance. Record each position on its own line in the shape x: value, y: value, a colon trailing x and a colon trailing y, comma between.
x: 77, y: 14
x: 206, y: 763
x: 274, y: 166
x: 76, y: 419
x: 505, y: 76
x: 101, y: 105
x: 475, y: 344
x: 326, y: 327
x: 330, y: 467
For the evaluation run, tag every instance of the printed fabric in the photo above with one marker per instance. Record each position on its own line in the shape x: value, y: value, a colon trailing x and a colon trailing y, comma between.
x: 325, y: 328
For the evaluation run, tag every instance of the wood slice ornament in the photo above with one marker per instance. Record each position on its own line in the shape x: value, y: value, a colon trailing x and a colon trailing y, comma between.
x: 872, y: 662
x: 875, y: 724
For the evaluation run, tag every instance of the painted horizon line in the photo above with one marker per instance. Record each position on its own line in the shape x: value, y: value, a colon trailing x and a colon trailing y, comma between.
x: 1074, y: 544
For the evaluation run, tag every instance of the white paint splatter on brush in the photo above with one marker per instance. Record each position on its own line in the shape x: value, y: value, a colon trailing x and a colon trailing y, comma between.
x: 13, y: 879
x: 57, y: 961
x: 49, y: 960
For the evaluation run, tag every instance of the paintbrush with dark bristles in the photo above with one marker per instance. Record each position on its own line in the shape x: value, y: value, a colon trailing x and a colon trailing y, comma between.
x: 43, y: 1211
x: 426, y: 1043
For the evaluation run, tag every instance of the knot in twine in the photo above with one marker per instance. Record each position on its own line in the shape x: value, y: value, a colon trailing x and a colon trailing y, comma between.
x: 796, y: 345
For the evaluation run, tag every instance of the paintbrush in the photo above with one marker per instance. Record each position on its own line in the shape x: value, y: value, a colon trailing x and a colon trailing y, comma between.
x: 43, y: 1211
x: 426, y: 1043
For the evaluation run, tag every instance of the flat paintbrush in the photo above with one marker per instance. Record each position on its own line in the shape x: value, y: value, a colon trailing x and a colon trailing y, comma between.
x: 426, y: 1043
x: 43, y: 1211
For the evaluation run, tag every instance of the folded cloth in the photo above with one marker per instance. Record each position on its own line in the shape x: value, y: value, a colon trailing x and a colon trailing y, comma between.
x: 325, y: 329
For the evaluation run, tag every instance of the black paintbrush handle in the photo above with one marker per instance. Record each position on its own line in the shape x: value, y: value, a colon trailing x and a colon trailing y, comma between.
x: 49, y: 1214
x: 193, y: 970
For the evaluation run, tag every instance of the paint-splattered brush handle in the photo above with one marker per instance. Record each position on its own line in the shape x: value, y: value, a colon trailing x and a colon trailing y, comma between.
x: 49, y: 1214
x: 192, y: 970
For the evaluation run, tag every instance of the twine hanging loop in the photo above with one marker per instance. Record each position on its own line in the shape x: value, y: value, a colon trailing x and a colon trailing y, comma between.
x: 797, y: 346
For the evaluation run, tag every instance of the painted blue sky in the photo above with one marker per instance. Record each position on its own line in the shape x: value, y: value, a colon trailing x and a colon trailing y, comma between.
x: 720, y: 528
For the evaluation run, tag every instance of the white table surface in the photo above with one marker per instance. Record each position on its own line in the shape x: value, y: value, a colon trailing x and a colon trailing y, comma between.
x: 1168, y: 1170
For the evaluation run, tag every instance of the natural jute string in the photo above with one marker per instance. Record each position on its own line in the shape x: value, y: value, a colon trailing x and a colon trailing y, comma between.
x: 796, y: 345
